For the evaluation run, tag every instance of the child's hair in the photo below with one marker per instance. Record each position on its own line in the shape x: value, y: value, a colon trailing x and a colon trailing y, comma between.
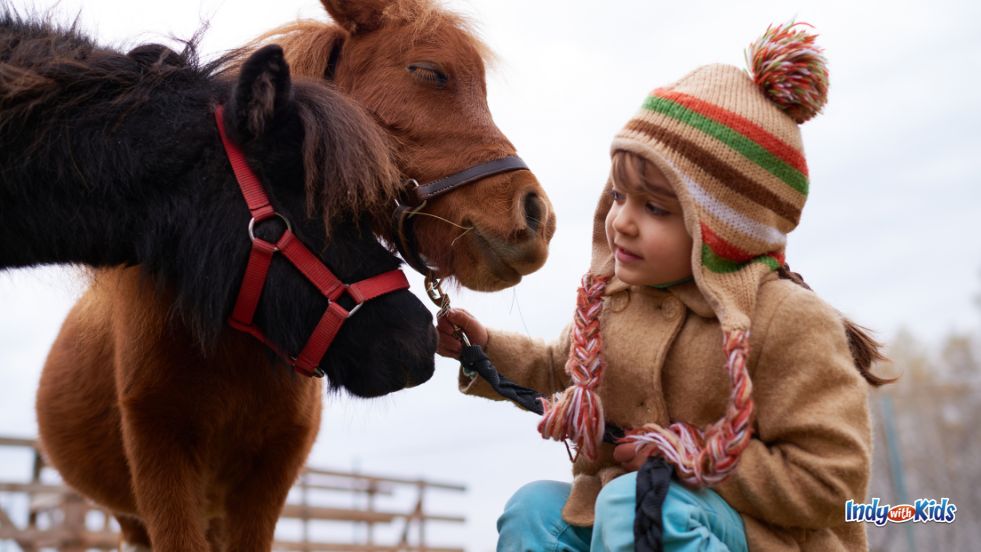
x: 629, y: 171
x: 865, y: 350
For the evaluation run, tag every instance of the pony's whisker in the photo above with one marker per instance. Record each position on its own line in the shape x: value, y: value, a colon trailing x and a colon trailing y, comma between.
x: 464, y: 233
x: 447, y: 221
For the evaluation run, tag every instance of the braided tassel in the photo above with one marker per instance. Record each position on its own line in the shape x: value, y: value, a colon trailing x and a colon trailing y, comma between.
x: 706, y: 457
x: 577, y: 412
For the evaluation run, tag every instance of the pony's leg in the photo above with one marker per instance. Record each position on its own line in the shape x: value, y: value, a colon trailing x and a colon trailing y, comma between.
x: 217, y: 535
x: 163, y: 434
x: 253, y: 506
x: 134, y: 535
x: 166, y: 480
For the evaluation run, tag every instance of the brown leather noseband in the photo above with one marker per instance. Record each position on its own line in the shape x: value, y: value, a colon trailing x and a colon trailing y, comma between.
x: 415, y: 196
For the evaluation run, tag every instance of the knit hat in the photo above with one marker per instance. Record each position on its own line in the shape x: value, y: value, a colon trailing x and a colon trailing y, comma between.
x: 729, y: 143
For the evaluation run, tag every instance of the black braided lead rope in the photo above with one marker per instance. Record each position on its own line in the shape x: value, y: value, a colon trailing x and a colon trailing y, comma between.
x: 652, y: 479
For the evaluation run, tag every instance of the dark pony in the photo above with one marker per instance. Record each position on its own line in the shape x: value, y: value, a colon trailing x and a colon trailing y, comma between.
x: 180, y: 425
x: 112, y: 159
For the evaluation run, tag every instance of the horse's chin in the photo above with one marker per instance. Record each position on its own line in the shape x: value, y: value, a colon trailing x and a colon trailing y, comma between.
x: 496, y: 264
x: 381, y: 387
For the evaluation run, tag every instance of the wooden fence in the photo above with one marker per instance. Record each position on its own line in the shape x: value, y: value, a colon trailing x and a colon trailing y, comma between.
x: 53, y: 516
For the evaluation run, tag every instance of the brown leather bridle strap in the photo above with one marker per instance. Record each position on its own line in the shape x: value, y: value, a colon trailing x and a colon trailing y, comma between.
x: 416, y: 195
x: 414, y: 199
x: 307, y: 362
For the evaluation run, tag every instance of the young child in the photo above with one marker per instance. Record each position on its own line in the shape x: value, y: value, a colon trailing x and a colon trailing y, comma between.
x: 769, y: 434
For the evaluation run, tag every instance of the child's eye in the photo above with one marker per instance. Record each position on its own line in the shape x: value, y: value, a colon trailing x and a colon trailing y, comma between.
x: 617, y: 195
x: 655, y: 210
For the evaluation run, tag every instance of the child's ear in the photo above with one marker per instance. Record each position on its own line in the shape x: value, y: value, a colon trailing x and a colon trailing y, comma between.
x: 356, y: 16
x: 261, y: 95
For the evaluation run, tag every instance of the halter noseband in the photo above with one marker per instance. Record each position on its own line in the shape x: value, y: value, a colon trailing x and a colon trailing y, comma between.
x: 415, y: 196
x: 307, y: 362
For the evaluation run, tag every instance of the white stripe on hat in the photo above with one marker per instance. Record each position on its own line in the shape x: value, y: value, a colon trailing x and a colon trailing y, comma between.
x: 759, y: 232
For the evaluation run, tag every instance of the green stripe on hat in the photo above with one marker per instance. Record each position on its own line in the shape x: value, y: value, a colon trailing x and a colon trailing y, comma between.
x: 721, y: 265
x: 748, y: 148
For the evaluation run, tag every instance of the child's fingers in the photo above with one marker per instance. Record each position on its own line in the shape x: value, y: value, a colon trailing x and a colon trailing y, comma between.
x: 466, y: 322
x: 624, y: 453
x: 448, y: 351
x: 447, y: 345
x: 443, y: 325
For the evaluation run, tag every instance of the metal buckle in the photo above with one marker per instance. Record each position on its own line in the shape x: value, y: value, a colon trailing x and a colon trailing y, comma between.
x: 289, y: 227
x: 356, y: 308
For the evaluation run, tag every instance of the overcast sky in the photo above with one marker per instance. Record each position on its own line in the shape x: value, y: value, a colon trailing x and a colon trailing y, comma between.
x: 888, y: 236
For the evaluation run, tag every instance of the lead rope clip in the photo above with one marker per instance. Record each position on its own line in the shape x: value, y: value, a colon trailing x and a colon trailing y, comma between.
x: 434, y: 289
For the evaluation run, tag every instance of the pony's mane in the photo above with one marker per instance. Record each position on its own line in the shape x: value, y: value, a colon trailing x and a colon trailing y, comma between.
x: 307, y: 42
x: 48, y: 72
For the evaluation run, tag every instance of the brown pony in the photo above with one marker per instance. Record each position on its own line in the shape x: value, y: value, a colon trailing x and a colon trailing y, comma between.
x: 420, y: 73
x: 211, y: 439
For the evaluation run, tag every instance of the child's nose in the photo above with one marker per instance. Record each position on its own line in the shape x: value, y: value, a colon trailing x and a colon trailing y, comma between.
x: 623, y: 221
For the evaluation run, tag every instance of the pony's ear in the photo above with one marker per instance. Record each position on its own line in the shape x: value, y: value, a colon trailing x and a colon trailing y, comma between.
x: 356, y: 16
x: 262, y: 93
x: 155, y: 55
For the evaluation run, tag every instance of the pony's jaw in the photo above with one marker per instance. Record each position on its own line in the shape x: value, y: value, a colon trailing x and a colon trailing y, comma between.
x: 504, y: 227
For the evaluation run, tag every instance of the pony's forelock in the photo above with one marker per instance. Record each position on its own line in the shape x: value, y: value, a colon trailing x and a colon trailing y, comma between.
x: 348, y: 167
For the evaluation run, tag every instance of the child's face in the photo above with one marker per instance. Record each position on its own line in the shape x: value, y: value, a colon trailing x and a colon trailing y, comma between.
x: 645, y: 228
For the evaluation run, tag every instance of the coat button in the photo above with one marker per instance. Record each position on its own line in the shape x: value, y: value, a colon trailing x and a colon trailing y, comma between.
x: 671, y: 308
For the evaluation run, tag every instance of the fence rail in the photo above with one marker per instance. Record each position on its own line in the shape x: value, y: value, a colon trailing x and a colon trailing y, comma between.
x: 55, y: 516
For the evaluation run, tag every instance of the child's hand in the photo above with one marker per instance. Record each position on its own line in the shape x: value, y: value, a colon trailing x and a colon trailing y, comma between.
x: 626, y: 455
x: 449, y: 345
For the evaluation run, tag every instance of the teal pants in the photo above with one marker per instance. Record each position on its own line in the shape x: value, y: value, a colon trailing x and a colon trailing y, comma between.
x: 693, y: 520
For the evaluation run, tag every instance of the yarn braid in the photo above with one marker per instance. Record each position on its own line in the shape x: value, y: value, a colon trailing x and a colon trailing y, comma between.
x: 702, y: 457
x: 577, y: 412
x: 706, y: 457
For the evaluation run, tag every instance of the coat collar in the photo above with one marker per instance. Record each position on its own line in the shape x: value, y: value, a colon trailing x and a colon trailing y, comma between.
x: 688, y: 293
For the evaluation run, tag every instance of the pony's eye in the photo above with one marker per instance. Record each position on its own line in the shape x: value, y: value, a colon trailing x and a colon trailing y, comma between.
x: 429, y: 73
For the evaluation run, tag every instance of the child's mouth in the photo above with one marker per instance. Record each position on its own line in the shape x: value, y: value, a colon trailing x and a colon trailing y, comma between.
x: 625, y: 256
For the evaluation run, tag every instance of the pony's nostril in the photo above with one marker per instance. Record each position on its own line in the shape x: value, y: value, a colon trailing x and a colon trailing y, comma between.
x: 534, y: 211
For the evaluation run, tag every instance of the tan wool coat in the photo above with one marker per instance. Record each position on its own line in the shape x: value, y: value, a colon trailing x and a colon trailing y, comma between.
x: 812, y: 439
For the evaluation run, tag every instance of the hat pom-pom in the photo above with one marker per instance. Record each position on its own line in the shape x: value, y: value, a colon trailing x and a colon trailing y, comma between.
x: 790, y: 69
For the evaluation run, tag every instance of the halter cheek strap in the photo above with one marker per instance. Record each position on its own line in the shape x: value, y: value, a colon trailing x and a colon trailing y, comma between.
x: 307, y: 362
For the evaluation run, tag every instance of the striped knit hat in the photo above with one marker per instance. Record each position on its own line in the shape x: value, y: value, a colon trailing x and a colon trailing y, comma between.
x: 730, y: 145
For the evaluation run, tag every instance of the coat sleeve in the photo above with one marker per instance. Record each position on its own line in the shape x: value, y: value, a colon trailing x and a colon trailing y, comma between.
x: 811, y: 452
x: 527, y: 361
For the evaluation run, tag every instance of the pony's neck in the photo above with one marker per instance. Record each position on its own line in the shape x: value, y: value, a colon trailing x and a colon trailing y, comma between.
x: 47, y: 222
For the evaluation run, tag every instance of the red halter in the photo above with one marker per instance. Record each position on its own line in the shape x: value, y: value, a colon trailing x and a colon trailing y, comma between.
x: 260, y: 258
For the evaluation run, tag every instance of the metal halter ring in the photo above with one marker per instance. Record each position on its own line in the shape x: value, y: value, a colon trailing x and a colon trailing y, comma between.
x: 289, y: 227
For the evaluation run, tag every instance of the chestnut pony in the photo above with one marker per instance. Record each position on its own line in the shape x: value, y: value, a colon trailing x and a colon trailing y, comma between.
x: 167, y: 417
x: 420, y: 73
